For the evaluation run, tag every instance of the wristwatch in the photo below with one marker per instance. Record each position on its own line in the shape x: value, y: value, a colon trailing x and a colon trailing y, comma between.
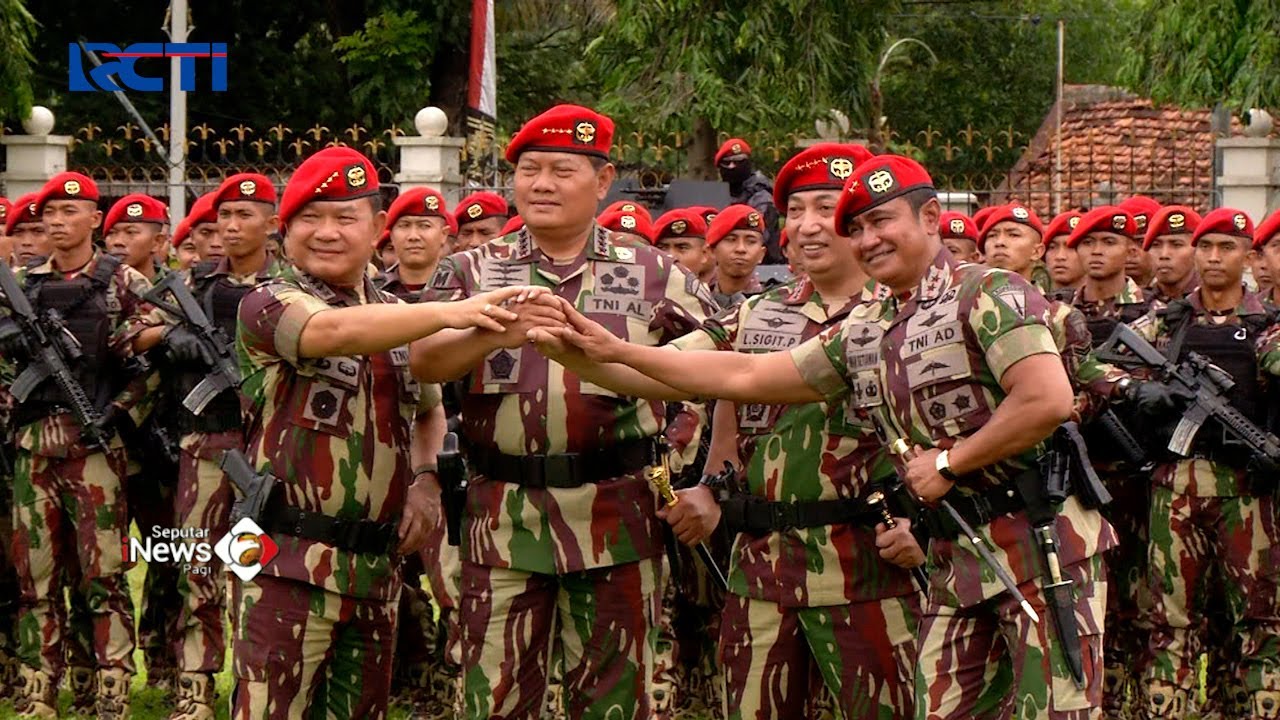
x: 1124, y: 389
x: 943, y: 466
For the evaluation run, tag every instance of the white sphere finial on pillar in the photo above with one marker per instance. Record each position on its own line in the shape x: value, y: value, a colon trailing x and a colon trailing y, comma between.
x: 1258, y: 123
x: 431, y: 122
x: 39, y: 122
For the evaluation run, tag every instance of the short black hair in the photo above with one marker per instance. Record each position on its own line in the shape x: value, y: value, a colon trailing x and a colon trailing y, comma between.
x: 919, y: 197
x: 375, y: 203
x: 597, y: 162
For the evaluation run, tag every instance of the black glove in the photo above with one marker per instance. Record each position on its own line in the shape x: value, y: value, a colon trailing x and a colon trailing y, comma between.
x: 183, y: 345
x: 13, y: 345
x: 111, y: 420
x: 1153, y: 398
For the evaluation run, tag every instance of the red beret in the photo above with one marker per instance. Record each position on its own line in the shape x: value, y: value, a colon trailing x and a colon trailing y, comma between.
x: 732, y: 146
x: 452, y: 223
x: 681, y: 222
x: 201, y: 212
x: 333, y: 174
x: 783, y: 239
x: 1170, y: 220
x: 1013, y: 212
x: 245, y: 186
x: 957, y: 225
x: 1225, y: 221
x: 515, y: 223
x: 981, y: 215
x: 628, y: 206
x: 1063, y: 224
x: 22, y: 211
x: 707, y: 212
x: 824, y: 166
x: 478, y: 206
x: 564, y: 128
x: 136, y: 208
x: 5, y: 206
x: 382, y: 239
x: 1266, y: 230
x: 636, y: 223
x: 734, y: 217
x: 1108, y: 219
x: 417, y: 202
x: 877, y: 181
x: 67, y: 186
x: 1142, y: 208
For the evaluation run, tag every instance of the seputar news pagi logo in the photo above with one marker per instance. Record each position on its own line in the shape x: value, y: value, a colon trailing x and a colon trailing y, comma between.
x: 245, y: 550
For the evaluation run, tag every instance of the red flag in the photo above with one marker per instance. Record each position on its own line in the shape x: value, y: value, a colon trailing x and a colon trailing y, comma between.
x: 482, y: 88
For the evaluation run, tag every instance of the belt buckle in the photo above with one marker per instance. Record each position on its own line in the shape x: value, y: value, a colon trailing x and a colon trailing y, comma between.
x: 533, y: 471
x: 784, y: 515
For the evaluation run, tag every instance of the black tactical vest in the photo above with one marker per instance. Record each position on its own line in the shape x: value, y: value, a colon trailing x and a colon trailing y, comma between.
x: 220, y: 299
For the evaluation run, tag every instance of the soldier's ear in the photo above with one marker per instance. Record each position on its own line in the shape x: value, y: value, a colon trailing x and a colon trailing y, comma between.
x: 604, y: 179
x: 930, y: 213
x: 97, y: 219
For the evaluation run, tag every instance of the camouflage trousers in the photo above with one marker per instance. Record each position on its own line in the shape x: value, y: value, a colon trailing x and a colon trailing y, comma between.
x: 71, y: 512
x: 150, y: 501
x: 607, y: 626
x: 990, y: 661
x: 302, y: 651
x: 864, y: 653
x: 8, y: 589
x: 1128, y: 597
x: 687, y: 678
x: 202, y: 500
x: 1194, y: 539
x: 423, y: 672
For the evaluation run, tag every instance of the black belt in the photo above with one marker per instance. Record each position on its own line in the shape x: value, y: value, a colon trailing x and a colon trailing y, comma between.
x: 362, y: 536
x: 977, y: 509
x: 567, y: 470
x: 752, y: 515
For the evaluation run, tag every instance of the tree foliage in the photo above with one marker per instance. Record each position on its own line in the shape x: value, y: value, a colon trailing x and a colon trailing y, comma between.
x: 384, y: 61
x: 17, y: 28
x: 1205, y: 52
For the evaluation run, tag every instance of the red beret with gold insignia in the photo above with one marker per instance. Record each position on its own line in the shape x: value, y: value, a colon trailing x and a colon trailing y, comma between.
x: 954, y: 224
x: 634, y: 222
x: 681, y: 222
x: 824, y: 166
x: 1063, y: 224
x: 478, y: 206
x: 1225, y: 221
x: 22, y: 211
x: 513, y: 225
x: 1105, y: 219
x: 245, y: 186
x: 136, y: 208
x: 1013, y: 212
x: 877, y: 181
x: 1266, y: 230
x: 707, y: 212
x: 628, y: 206
x: 335, y: 174
x: 1171, y: 220
x: 734, y: 217
x: 1142, y: 208
x: 67, y: 186
x: 201, y: 212
x: 564, y: 128
x: 731, y: 147
x: 417, y: 202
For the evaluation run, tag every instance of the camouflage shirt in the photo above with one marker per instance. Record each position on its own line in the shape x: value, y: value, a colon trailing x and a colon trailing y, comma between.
x: 1250, y: 323
x: 390, y: 281
x: 334, y: 430
x: 797, y: 453
x: 934, y: 381
x: 519, y: 403
x: 59, y: 435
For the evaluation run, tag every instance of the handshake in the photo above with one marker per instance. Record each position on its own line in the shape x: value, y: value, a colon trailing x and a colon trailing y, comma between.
x: 512, y: 316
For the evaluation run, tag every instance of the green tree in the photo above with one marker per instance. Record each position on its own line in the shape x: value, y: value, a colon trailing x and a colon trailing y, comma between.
x: 384, y: 59
x: 17, y: 29
x: 740, y: 66
x: 1205, y: 52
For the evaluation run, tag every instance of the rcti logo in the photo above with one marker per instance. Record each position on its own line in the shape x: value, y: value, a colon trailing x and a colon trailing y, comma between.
x: 119, y: 65
x: 246, y: 549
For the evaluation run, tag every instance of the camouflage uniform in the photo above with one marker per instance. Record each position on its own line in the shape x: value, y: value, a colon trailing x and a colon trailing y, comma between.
x: 816, y: 601
x: 57, y: 480
x: 979, y: 656
x: 314, y: 632
x: 589, y: 555
x: 8, y: 575
x: 1211, y: 518
x: 724, y: 300
x: 1125, y: 652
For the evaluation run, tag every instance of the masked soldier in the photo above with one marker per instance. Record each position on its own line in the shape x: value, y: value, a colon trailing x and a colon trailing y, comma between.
x: 1168, y: 241
x: 587, y: 543
x: 951, y: 332
x: 748, y: 186
x: 1212, y: 505
x: 69, y: 501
